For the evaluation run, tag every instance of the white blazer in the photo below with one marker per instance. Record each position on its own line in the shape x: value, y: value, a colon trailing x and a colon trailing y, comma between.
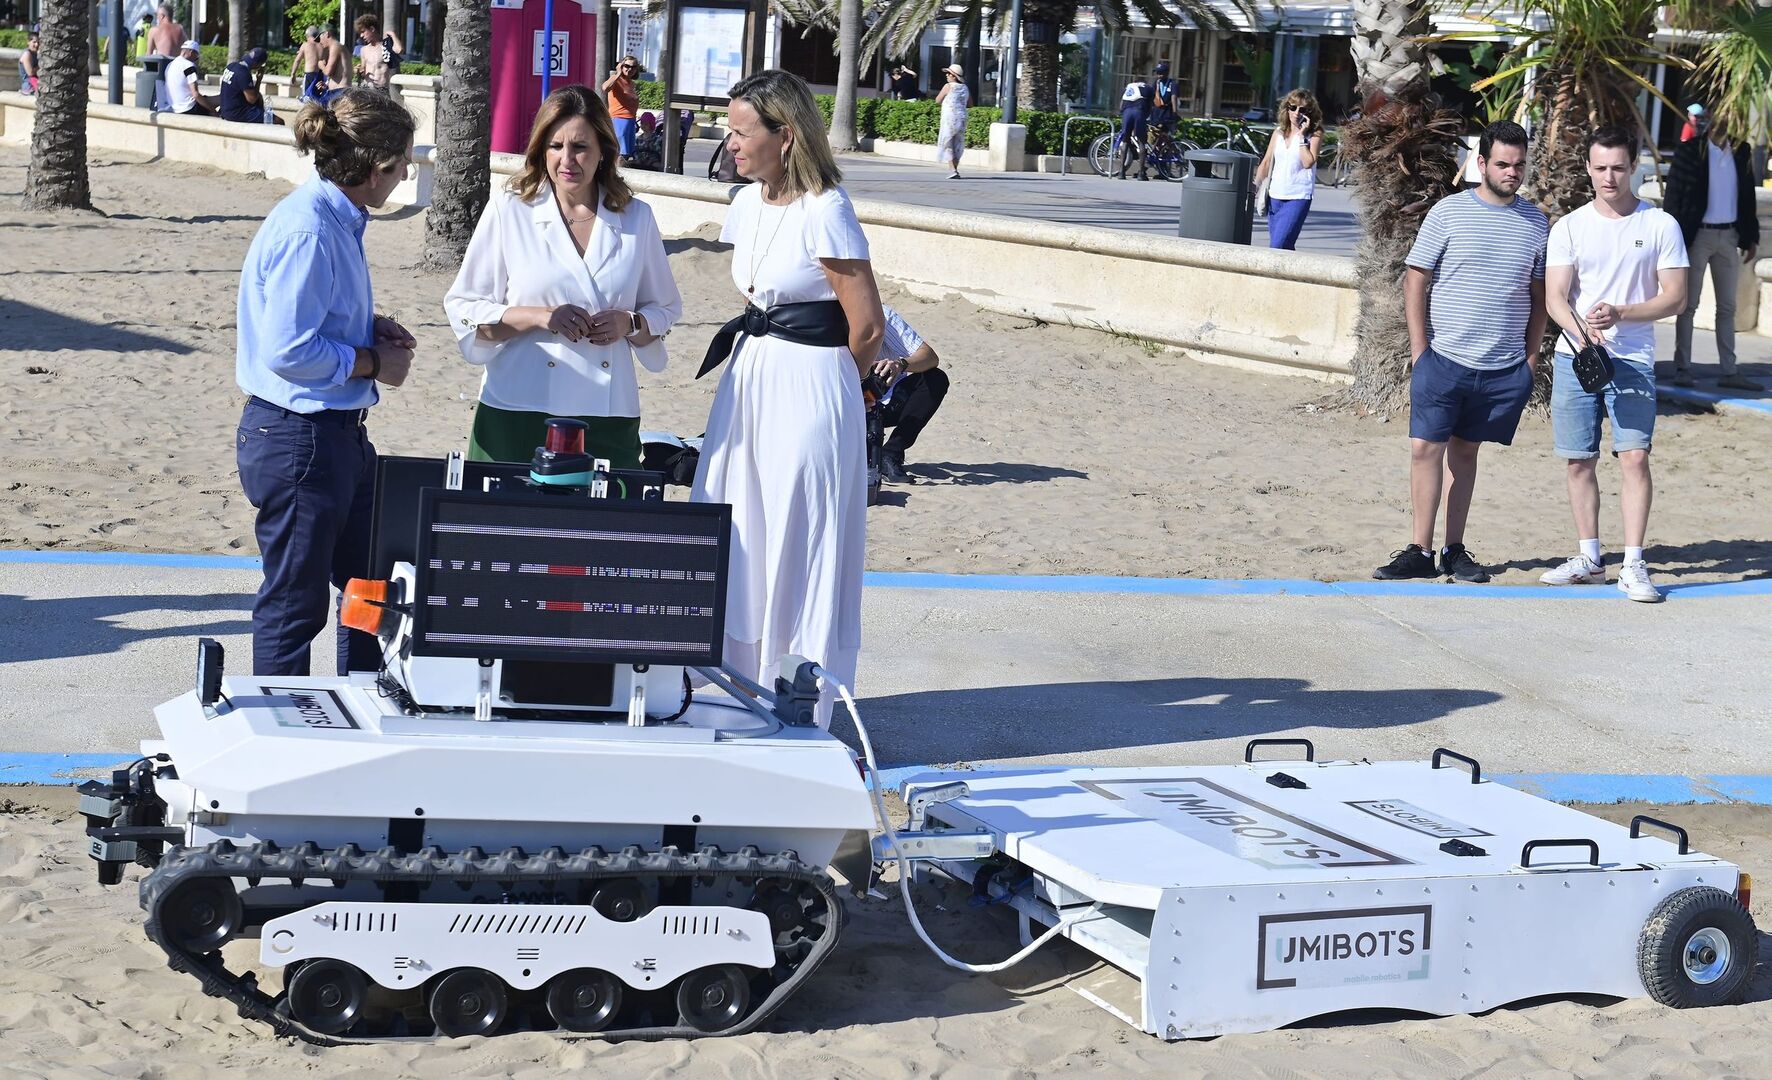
x: 522, y: 255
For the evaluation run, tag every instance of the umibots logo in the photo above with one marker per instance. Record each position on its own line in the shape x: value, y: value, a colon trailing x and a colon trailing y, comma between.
x: 1343, y: 948
x: 302, y: 707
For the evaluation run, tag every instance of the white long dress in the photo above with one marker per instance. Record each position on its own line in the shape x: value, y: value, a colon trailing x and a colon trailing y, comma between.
x: 786, y: 447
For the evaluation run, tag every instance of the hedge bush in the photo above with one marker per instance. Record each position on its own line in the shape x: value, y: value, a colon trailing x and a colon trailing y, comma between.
x: 920, y: 122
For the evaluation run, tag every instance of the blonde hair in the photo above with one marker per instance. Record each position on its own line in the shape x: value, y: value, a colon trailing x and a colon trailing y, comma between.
x: 782, y: 99
x: 1311, y: 109
x: 560, y: 106
x: 361, y: 131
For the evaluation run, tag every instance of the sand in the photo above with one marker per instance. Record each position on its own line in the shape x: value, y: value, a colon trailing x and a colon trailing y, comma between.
x: 86, y: 995
x: 1058, y: 451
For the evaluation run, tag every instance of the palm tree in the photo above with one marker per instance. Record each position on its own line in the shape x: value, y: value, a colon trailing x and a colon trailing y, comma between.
x: 1403, y: 147
x: 601, y: 61
x: 237, y: 15
x: 56, y: 177
x: 463, y: 178
x: 848, y: 69
x: 1735, y: 72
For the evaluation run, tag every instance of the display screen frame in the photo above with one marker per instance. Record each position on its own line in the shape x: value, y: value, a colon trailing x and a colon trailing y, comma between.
x: 423, y: 613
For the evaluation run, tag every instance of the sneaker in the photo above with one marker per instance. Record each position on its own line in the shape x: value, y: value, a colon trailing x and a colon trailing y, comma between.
x: 1683, y: 377
x: 1459, y: 563
x: 1577, y: 571
x: 892, y: 470
x: 955, y: 175
x: 1411, y: 562
x: 1740, y: 382
x: 1633, y: 581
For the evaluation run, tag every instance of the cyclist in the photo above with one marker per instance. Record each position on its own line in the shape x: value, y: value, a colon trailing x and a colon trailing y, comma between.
x: 1163, y: 110
x: 1135, y: 113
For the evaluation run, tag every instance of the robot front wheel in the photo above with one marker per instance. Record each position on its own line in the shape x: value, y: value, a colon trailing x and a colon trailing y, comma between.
x: 1698, y: 949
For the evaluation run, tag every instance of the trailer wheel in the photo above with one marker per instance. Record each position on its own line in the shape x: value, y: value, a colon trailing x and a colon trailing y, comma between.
x: 203, y: 914
x: 584, y: 999
x: 714, y: 998
x: 468, y: 1001
x: 1697, y: 949
x: 327, y: 996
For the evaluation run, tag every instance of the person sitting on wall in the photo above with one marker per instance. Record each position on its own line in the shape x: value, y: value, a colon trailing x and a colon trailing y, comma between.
x: 242, y: 90
x: 182, y: 95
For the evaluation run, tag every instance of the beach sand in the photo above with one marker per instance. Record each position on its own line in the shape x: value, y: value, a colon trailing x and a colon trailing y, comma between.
x: 86, y: 995
x: 1058, y: 451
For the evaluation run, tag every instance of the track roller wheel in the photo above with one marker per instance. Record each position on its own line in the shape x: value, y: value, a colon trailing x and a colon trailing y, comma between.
x: 584, y: 999
x: 714, y: 998
x: 619, y: 900
x: 1697, y: 949
x: 328, y: 996
x: 468, y: 1001
x: 203, y: 914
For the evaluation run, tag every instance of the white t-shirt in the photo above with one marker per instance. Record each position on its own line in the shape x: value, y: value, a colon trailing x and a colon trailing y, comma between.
x: 181, y: 85
x: 1719, y: 206
x: 1617, y: 261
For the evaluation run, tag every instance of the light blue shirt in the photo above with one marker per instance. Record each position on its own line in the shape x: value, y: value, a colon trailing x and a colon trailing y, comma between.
x: 306, y: 305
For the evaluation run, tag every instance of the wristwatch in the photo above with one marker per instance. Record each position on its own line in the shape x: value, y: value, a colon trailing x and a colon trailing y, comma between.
x: 635, y: 326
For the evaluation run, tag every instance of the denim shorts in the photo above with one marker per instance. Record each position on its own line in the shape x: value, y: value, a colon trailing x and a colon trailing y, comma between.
x: 1629, y: 399
x: 1447, y: 399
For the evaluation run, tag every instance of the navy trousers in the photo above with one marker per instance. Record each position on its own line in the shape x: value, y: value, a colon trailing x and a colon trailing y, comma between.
x: 913, y: 404
x: 312, y: 479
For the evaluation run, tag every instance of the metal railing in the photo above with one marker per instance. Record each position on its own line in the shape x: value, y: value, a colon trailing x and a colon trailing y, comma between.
x: 1064, y: 151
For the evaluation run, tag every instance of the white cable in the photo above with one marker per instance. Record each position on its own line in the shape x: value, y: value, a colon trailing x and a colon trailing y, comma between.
x: 904, y: 864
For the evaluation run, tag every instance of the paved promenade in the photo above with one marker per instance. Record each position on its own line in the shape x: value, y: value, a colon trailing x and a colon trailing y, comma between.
x: 1135, y: 672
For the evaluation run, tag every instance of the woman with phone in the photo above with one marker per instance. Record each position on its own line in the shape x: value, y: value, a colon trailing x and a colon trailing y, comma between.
x: 1290, y: 168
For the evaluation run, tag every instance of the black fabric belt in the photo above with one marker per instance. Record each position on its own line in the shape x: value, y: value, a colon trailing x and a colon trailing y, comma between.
x: 330, y: 417
x: 814, y: 322
x: 1717, y: 225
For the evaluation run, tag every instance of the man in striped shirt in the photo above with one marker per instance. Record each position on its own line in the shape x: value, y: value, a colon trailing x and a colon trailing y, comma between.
x: 1474, y: 298
x: 908, y: 367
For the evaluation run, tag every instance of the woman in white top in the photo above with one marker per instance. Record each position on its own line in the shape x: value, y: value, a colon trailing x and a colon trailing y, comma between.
x: 786, y: 439
x: 1290, y: 167
x: 563, y: 284
x: 954, y: 100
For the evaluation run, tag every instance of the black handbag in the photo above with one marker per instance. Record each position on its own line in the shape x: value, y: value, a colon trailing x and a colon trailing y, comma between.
x: 1593, y: 365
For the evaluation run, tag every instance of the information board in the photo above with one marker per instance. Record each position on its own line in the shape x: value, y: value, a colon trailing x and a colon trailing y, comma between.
x: 570, y: 578
x: 710, y: 52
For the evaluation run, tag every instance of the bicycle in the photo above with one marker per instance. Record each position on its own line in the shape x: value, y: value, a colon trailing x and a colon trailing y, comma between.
x: 1240, y: 135
x: 1166, y: 154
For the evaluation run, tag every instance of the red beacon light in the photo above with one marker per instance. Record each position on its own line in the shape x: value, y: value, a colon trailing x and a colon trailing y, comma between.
x: 560, y: 461
x: 564, y: 436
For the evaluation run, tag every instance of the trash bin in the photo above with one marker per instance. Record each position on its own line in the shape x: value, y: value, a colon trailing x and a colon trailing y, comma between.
x: 1218, y: 197
x: 147, y: 79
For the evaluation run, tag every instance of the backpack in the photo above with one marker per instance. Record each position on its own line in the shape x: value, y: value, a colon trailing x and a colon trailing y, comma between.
x: 721, y: 167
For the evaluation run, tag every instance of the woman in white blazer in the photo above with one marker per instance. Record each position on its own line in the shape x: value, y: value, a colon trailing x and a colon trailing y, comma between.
x: 563, y: 284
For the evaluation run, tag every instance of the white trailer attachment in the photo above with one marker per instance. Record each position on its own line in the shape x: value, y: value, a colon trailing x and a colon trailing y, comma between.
x: 1242, y: 898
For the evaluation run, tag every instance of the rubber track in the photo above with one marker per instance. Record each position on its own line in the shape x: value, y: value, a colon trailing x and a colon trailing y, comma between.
x: 510, y: 868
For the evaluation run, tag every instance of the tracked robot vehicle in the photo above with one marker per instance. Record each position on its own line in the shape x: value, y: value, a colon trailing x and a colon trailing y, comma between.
x: 527, y: 819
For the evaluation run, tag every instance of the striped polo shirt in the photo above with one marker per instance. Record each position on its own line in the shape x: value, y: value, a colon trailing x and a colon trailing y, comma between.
x: 1484, y: 259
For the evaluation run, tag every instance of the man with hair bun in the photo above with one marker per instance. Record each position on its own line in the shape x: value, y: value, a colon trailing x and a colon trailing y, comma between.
x: 311, y: 350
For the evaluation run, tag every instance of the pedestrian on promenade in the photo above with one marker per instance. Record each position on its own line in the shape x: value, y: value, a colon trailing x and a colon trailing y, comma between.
x: 1163, y: 106
x: 564, y: 283
x: 333, y: 68
x: 915, y: 385
x: 955, y: 98
x: 142, y: 31
x: 242, y: 97
x: 624, y: 101
x: 305, y: 71
x: 904, y: 83
x: 28, y: 64
x: 378, y: 54
x: 1710, y: 192
x: 311, y: 351
x: 182, y: 93
x: 1614, y: 266
x: 1694, y: 122
x: 785, y: 445
x: 1290, y: 168
x: 165, y: 38
x: 1135, y: 115
x: 1473, y: 294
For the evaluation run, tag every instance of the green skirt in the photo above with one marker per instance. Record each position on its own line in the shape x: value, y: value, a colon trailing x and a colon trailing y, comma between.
x: 503, y: 435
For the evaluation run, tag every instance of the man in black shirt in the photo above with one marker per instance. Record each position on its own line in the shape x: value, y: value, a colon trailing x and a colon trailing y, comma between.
x: 241, y: 97
x: 904, y: 84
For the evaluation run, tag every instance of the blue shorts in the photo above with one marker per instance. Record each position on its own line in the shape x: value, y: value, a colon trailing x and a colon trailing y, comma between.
x: 1629, y: 399
x: 1447, y: 400
x: 625, y: 128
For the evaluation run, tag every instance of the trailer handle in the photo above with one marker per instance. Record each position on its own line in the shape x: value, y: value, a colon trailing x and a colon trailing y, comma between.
x: 1637, y: 823
x: 1592, y: 846
x: 1310, y: 751
x: 1476, y: 769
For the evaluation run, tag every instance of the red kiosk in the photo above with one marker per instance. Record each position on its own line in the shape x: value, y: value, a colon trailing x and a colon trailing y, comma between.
x: 525, y: 65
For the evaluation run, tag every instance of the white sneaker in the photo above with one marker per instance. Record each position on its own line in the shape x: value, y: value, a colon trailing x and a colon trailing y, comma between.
x: 1633, y: 581
x: 1577, y: 571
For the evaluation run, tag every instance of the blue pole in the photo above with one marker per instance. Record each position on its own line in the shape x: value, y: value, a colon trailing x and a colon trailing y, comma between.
x: 547, y: 36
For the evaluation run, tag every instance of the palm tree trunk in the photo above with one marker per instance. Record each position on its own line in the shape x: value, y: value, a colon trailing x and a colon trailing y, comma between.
x: 1039, y: 89
x: 1405, y: 160
x: 601, y: 62
x: 237, y: 29
x: 843, y: 134
x: 94, y: 63
x: 56, y: 177
x: 393, y: 18
x: 463, y: 178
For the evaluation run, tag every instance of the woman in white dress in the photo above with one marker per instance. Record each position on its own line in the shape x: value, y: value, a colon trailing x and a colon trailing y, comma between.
x: 786, y: 440
x: 954, y: 99
x: 564, y: 283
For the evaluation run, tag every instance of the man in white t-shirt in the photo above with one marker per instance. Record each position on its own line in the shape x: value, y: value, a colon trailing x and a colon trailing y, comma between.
x: 1613, y: 267
x: 181, y: 83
